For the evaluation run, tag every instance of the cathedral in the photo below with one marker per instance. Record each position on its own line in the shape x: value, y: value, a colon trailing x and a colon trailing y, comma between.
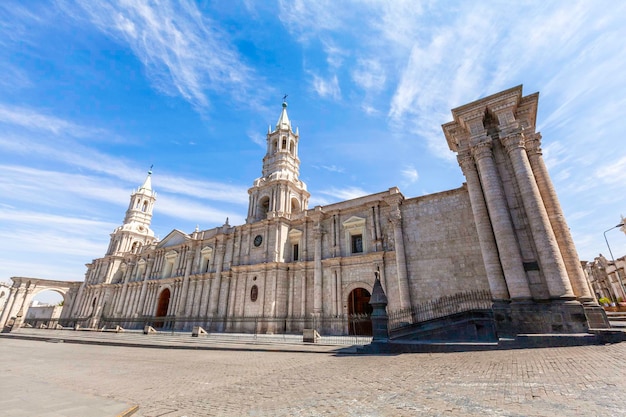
x: 499, y: 240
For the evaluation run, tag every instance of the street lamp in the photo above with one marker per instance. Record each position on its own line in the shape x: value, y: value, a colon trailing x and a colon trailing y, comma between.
x: 613, y: 259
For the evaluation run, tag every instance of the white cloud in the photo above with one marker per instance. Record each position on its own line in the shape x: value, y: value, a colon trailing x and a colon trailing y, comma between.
x: 257, y: 138
x: 326, y: 88
x: 34, y: 120
x: 369, y: 75
x: 183, y: 51
x: 613, y: 172
x: 347, y: 193
x: 410, y: 174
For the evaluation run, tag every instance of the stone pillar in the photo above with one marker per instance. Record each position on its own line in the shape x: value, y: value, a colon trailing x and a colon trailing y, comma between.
x: 404, y: 296
x: 23, y: 306
x: 510, y: 257
x: 557, y: 219
x: 75, y: 303
x: 120, y: 303
x: 546, y: 246
x: 182, y: 305
x: 217, y: 282
x: 317, y: 272
x: 138, y: 308
x: 488, y: 247
x: 9, y: 306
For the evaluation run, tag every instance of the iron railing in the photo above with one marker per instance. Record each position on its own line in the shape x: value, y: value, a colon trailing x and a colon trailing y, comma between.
x: 440, y: 307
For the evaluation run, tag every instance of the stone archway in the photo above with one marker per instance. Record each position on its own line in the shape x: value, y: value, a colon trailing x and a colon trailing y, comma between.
x: 22, y: 292
x: 359, y: 311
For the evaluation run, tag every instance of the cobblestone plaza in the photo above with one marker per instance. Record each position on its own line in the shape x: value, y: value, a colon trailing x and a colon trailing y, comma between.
x: 569, y: 381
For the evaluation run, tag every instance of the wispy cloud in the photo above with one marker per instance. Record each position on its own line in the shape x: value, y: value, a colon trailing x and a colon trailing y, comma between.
x: 347, y: 193
x: 326, y: 87
x: 183, y: 51
x: 410, y: 174
x: 38, y: 121
x: 330, y: 168
x: 614, y: 172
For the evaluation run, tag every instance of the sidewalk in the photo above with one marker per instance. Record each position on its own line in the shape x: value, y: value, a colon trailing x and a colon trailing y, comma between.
x: 24, y: 397
x: 184, y: 340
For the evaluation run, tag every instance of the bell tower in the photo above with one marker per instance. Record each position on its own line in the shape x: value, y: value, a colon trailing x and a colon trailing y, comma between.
x: 135, y: 232
x: 279, y: 192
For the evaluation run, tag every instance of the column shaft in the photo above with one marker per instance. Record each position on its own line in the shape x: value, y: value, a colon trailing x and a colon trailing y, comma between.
x: 557, y: 219
x: 486, y: 239
x: 508, y: 248
x: 541, y: 230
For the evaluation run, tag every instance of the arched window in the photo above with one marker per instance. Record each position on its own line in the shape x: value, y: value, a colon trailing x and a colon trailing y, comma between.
x: 274, y: 147
x: 291, y: 147
x: 254, y: 293
x: 145, y: 206
x: 284, y: 142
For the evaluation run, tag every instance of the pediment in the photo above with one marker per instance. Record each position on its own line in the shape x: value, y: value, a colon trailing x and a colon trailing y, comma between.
x: 174, y: 238
x: 354, y: 221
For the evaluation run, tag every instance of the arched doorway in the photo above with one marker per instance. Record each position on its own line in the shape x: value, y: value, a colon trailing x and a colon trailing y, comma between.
x: 162, y: 306
x: 359, y: 311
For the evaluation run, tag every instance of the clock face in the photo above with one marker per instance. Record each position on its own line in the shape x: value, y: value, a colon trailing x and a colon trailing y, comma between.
x: 258, y: 240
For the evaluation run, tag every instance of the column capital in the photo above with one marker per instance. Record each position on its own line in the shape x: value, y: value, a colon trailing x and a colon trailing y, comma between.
x: 533, y: 143
x: 513, y: 141
x: 482, y: 148
x: 466, y: 161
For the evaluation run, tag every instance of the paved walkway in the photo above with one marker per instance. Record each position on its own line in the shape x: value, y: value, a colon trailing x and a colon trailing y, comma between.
x: 569, y: 381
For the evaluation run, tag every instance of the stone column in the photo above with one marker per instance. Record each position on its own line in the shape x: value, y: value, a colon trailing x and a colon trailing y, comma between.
x: 317, y: 272
x: 508, y: 248
x: 182, y: 305
x: 9, y: 306
x: 541, y: 230
x: 488, y: 247
x: 404, y: 297
x: 217, y: 281
x: 138, y: 308
x: 120, y: 304
x: 557, y: 219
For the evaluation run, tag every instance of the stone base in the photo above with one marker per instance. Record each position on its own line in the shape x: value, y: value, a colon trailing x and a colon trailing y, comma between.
x: 596, y: 316
x: 533, y: 317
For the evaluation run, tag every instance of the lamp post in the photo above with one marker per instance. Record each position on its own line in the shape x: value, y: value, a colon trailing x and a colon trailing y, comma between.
x: 619, y: 279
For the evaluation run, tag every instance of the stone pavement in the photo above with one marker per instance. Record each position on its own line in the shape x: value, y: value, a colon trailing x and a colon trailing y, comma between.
x: 26, y: 397
x: 567, y: 381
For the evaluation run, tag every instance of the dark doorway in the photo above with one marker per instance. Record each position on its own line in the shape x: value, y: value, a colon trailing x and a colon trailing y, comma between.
x: 359, y: 311
x: 162, y: 306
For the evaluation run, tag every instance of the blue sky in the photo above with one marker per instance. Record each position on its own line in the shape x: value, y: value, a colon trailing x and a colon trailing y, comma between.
x: 93, y: 93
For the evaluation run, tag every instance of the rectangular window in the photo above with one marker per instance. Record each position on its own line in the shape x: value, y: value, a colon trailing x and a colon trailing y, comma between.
x: 357, y: 243
x: 296, y: 253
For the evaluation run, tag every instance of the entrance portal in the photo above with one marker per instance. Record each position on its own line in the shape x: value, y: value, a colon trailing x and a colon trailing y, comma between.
x: 162, y: 306
x: 359, y: 311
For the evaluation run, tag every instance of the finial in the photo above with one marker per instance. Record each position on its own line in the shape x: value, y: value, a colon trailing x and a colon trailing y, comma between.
x: 226, y: 223
x: 197, y: 228
x: 285, y: 100
x: 150, y: 170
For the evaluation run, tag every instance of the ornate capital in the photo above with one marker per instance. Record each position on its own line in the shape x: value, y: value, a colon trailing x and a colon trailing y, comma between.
x: 513, y: 141
x: 482, y: 149
x: 533, y: 143
x: 466, y: 161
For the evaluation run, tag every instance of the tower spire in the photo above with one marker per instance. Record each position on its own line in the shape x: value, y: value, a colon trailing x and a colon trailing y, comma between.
x: 135, y: 231
x: 279, y: 192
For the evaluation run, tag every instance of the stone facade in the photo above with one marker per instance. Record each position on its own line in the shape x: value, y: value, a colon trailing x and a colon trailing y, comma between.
x: 503, y: 231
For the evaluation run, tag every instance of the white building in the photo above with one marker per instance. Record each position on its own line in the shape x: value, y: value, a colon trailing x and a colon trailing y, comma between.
x: 502, y: 234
